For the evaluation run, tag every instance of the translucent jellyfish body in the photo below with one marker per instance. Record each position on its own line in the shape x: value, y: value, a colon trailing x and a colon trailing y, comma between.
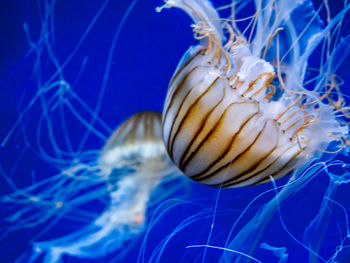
x: 132, y: 163
x: 231, y: 118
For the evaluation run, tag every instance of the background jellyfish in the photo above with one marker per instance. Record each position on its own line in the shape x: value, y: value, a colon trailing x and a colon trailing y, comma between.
x: 63, y: 193
x: 71, y: 73
x: 132, y: 164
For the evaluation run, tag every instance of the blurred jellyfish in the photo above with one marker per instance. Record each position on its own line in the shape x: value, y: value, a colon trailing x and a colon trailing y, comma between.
x: 133, y: 162
x: 62, y: 196
x: 244, y: 108
x: 131, y: 165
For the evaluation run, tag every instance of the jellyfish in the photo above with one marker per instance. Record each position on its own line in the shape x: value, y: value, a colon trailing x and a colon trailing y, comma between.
x: 244, y: 108
x: 135, y: 161
x: 221, y: 124
x: 131, y: 165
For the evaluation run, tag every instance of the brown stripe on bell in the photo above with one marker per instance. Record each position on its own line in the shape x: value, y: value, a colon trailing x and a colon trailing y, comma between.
x: 135, y: 144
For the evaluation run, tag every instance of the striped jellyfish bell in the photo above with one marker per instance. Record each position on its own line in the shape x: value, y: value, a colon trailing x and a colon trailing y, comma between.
x: 137, y: 146
x: 222, y: 125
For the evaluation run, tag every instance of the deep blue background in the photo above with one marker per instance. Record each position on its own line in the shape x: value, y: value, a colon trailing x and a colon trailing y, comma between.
x: 148, y: 49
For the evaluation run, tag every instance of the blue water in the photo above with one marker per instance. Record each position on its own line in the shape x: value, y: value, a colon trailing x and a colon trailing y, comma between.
x: 118, y: 58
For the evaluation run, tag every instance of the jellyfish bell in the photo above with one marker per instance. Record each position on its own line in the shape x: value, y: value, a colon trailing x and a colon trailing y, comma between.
x: 233, y: 119
x: 136, y: 143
